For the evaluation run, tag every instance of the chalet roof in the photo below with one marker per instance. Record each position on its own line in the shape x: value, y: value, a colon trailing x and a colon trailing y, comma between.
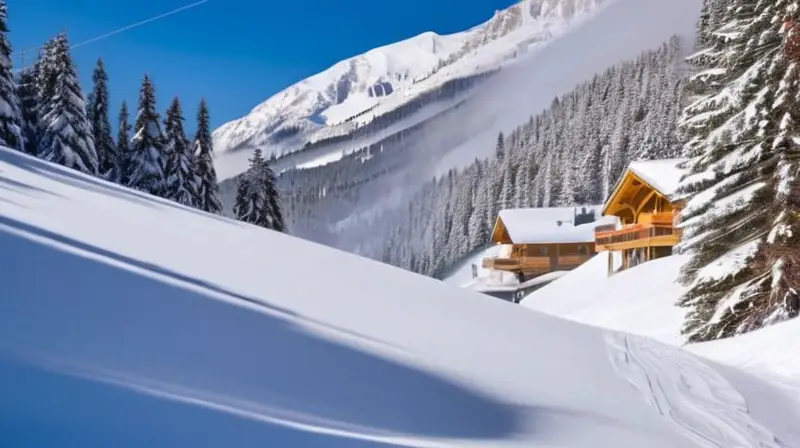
x: 540, y: 225
x: 663, y: 175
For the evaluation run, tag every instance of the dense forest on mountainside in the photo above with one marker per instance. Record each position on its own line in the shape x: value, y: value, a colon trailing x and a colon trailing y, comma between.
x: 570, y: 154
x: 320, y: 200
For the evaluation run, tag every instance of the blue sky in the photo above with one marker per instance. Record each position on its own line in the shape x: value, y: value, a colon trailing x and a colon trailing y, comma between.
x: 235, y: 53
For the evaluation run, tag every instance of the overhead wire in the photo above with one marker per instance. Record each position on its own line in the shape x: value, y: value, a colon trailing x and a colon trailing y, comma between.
x: 119, y: 30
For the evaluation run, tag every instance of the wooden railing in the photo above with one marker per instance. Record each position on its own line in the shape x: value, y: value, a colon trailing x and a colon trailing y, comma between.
x: 527, y: 264
x: 638, y: 235
x: 656, y: 219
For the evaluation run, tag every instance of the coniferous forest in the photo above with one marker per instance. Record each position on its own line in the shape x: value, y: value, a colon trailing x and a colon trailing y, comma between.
x: 570, y: 154
x: 47, y: 115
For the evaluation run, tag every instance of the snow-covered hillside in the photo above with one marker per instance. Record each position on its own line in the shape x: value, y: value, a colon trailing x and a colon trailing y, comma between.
x: 354, y: 91
x: 127, y: 320
x: 639, y: 301
x: 642, y: 301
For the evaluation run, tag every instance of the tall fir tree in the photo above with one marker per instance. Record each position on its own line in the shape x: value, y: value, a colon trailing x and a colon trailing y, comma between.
x: 742, y: 217
x: 207, y: 188
x: 146, y: 161
x: 181, y: 174
x: 123, y: 144
x: 257, y: 200
x: 500, y: 147
x: 66, y: 136
x: 26, y: 90
x: 10, y: 116
x: 46, y: 75
x: 107, y: 154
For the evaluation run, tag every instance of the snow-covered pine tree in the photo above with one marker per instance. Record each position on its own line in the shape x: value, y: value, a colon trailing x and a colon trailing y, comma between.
x: 742, y: 218
x: 500, y: 147
x: 26, y: 91
x: 458, y: 239
x: 45, y: 72
x: 181, y: 175
x: 146, y: 161
x: 66, y: 136
x: 123, y: 143
x: 208, y: 189
x: 479, y: 219
x: 107, y: 154
x: 256, y: 196
x: 505, y: 199
x: 10, y: 115
x: 274, y: 197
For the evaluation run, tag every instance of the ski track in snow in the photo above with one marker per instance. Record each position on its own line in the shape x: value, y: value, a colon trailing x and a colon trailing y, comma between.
x: 706, y: 408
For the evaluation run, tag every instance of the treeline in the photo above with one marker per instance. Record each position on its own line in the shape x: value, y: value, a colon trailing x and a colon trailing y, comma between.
x: 570, y: 154
x: 45, y: 115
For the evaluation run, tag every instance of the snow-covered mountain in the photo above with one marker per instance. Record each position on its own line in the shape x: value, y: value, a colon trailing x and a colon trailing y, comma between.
x: 125, y: 330
x: 354, y: 91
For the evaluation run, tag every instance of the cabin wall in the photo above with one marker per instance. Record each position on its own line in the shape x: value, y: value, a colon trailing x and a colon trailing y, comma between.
x: 554, y: 249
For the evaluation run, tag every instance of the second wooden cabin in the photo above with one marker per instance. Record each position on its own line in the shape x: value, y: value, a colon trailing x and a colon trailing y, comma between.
x: 535, y: 241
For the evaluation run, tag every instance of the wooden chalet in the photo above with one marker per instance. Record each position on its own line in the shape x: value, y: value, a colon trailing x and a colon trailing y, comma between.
x: 644, y: 202
x: 536, y: 241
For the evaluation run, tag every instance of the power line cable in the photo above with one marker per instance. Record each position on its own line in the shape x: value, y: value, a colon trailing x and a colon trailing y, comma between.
x: 120, y: 30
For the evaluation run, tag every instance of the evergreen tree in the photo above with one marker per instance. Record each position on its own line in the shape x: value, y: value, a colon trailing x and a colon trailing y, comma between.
x: 26, y: 90
x: 66, y: 137
x: 46, y: 76
x: 107, y: 154
x: 207, y: 188
x: 146, y: 162
x: 181, y: 175
x: 10, y: 115
x: 742, y: 219
x: 500, y: 148
x: 123, y: 144
x: 257, y: 199
x: 506, y: 196
x: 479, y: 219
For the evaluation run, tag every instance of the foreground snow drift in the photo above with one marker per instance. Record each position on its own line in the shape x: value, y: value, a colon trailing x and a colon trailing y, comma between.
x: 130, y: 321
x: 643, y: 301
x: 640, y: 301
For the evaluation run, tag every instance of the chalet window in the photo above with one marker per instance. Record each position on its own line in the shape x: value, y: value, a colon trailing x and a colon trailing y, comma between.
x: 581, y: 250
x: 543, y: 250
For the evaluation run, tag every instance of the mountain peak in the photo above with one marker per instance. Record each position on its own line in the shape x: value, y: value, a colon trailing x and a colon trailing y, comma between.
x: 389, y: 76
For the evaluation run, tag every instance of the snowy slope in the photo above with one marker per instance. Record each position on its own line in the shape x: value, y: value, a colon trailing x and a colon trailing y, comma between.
x: 640, y: 300
x: 356, y: 90
x: 119, y: 326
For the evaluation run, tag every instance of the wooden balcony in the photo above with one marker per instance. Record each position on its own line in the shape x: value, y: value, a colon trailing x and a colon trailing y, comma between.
x: 537, y: 265
x: 572, y: 261
x: 638, y: 235
x: 518, y: 264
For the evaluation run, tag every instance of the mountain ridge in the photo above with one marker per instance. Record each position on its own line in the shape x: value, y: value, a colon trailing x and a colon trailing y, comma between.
x: 380, y: 80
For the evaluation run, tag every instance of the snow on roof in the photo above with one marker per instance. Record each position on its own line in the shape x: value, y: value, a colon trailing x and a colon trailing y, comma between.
x: 663, y: 175
x: 541, y: 225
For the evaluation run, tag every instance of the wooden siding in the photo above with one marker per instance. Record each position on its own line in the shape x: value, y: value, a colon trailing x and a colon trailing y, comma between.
x: 532, y: 260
